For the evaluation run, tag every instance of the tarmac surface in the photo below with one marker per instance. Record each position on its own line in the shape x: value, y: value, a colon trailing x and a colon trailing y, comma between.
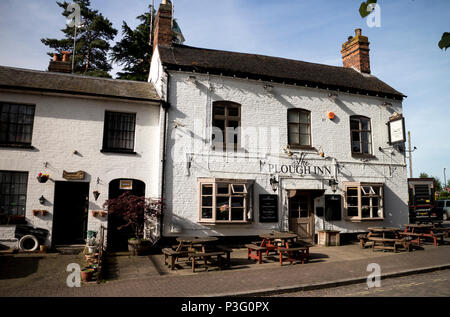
x: 44, y: 275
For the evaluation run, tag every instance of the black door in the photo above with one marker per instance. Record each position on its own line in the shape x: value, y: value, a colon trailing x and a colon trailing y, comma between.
x: 70, y: 212
x: 118, y: 239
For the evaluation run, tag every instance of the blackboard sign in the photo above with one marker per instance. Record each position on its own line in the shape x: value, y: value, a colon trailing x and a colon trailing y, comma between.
x: 268, y: 208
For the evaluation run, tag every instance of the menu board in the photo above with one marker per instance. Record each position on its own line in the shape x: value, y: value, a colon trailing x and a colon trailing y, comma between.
x: 268, y: 208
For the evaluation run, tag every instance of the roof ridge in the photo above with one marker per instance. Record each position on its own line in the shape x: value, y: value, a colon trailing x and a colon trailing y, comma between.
x: 260, y: 55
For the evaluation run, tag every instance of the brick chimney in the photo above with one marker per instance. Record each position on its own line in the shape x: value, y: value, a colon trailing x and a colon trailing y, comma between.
x: 60, y: 66
x: 355, y: 53
x: 163, y: 25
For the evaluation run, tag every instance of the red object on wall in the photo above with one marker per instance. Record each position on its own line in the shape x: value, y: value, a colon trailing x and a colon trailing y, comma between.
x: 331, y: 115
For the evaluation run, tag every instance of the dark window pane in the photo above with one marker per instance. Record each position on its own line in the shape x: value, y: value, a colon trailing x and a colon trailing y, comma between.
x: 352, y: 211
x: 16, y: 124
x: 119, y: 131
x: 13, y: 191
x: 293, y: 116
x: 207, y: 190
x: 219, y: 110
x: 223, y: 189
x: 365, y: 124
x: 237, y: 214
x: 233, y: 112
x: 355, y: 136
x: 207, y: 213
x: 356, y: 147
x: 207, y: 201
x: 354, y: 124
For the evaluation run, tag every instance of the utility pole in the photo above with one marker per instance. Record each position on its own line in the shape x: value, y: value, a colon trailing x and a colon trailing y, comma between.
x: 151, y: 22
x: 445, y: 179
x: 410, y: 155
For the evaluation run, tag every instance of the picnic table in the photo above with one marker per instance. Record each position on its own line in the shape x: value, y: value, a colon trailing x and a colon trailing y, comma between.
x: 283, y: 243
x: 418, y: 231
x: 192, y: 248
x: 386, y: 238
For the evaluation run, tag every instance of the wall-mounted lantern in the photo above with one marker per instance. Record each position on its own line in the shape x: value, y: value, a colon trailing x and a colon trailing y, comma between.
x: 274, y: 183
x: 42, y: 200
x: 333, y: 184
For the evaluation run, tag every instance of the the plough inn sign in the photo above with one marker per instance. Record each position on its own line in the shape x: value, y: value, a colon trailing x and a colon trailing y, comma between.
x: 300, y: 166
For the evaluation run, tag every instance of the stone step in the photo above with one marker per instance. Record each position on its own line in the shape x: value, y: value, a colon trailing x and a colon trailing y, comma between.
x: 70, y: 249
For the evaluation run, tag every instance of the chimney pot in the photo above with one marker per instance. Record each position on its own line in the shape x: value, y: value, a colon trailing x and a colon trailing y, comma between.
x: 66, y: 55
x: 55, y: 57
x: 358, y: 32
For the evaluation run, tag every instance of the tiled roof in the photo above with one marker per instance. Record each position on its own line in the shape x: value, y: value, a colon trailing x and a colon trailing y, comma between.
x: 25, y: 79
x: 181, y: 57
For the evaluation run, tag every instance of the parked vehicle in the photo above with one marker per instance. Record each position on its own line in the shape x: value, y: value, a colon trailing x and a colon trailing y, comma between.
x: 444, y: 206
x: 422, y: 201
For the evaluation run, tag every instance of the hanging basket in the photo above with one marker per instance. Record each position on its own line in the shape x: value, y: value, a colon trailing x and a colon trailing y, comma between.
x: 96, y: 194
x: 43, y: 178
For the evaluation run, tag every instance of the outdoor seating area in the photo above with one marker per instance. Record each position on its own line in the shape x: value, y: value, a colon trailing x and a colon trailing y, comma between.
x: 204, y: 252
x: 385, y: 238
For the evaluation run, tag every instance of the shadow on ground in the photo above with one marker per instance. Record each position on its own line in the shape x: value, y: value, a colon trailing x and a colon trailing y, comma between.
x: 18, y: 267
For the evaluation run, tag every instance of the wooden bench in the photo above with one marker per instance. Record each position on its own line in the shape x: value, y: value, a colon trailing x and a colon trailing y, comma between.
x: 257, y: 255
x: 294, y: 254
x: 205, y: 256
x: 170, y: 256
x: 389, y: 244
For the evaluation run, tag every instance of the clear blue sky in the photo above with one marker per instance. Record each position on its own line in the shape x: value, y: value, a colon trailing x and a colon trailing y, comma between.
x: 404, y: 51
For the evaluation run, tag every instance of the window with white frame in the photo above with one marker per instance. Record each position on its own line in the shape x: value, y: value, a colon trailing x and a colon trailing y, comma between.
x: 224, y: 201
x: 363, y: 201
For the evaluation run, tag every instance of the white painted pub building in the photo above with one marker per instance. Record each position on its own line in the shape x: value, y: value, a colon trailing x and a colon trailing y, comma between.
x: 258, y: 144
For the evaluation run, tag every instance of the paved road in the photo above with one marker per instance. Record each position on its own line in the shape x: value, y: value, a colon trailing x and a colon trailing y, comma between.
x: 435, y: 284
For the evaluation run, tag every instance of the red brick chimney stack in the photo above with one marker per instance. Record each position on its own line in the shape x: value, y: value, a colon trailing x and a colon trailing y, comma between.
x: 355, y: 53
x: 60, y: 66
x: 163, y: 25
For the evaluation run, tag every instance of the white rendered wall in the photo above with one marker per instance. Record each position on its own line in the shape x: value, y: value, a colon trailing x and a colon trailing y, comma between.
x: 267, y: 111
x: 63, y: 124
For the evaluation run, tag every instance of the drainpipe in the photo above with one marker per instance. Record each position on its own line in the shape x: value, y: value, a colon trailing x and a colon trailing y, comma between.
x: 166, y: 106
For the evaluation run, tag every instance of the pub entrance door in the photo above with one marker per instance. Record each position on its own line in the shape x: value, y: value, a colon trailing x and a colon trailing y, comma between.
x: 301, y: 215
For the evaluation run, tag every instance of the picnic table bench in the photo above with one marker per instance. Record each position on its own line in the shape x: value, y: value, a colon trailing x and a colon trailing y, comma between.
x: 170, y: 256
x: 207, y: 256
x: 294, y: 254
x: 389, y: 243
x: 255, y: 252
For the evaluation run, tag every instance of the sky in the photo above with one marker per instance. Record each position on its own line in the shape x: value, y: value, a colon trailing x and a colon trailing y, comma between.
x: 404, y: 51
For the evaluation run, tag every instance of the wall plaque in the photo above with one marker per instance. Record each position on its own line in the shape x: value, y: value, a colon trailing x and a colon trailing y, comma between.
x: 268, y: 208
x: 126, y: 184
x: 74, y: 176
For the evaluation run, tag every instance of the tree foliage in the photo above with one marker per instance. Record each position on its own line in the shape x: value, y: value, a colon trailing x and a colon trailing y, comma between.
x: 92, y: 41
x: 135, y: 50
x: 134, y: 210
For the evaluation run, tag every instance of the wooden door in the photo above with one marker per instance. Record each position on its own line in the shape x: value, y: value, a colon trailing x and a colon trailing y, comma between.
x: 301, y: 216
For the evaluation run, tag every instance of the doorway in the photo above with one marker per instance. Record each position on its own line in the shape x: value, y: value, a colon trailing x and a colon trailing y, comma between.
x: 301, y: 215
x: 118, y: 239
x: 70, y: 213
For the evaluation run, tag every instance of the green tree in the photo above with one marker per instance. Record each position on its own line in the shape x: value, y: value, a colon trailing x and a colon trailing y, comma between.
x: 135, y: 50
x: 92, y: 41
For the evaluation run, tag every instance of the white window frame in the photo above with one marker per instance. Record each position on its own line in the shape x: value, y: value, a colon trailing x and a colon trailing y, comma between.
x: 362, y: 193
x: 247, y: 200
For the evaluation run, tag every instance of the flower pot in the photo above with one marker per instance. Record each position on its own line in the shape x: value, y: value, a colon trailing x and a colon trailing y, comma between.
x: 43, y: 248
x: 86, y: 275
x: 36, y: 212
x: 44, y: 212
x: 94, y: 213
x: 103, y: 214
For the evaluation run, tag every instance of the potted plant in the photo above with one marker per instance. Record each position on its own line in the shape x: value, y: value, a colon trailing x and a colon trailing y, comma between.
x: 134, y: 210
x: 96, y: 193
x: 94, y: 213
x: 42, y: 178
x: 86, y: 274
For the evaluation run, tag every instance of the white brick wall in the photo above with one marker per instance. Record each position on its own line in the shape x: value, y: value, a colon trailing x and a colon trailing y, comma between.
x: 63, y: 124
x: 191, y: 105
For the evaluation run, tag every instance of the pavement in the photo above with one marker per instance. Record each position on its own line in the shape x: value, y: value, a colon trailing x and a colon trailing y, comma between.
x: 24, y: 275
